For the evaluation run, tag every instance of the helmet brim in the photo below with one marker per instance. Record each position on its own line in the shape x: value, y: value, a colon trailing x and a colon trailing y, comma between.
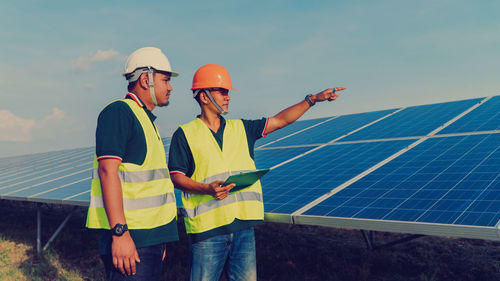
x: 172, y: 73
x: 230, y: 89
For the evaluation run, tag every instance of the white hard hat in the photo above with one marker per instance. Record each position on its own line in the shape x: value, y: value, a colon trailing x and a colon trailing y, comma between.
x: 145, y: 58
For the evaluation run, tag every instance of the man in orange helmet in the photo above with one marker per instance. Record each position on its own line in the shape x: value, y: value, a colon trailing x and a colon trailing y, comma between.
x: 202, y: 154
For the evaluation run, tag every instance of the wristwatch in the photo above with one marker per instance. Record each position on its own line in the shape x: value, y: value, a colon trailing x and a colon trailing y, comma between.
x: 309, y: 101
x: 119, y: 229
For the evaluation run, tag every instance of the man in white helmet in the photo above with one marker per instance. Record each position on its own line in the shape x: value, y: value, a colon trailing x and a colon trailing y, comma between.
x: 132, y: 196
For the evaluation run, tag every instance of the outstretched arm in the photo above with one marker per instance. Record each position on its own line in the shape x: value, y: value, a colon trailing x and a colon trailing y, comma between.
x: 291, y: 114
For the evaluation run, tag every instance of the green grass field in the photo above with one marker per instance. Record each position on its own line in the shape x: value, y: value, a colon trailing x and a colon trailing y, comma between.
x: 284, y: 252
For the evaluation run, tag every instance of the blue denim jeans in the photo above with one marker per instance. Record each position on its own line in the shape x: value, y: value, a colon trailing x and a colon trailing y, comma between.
x: 150, y: 267
x: 209, y: 256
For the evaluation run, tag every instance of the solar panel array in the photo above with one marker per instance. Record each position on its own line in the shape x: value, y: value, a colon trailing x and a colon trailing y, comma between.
x: 431, y: 169
x: 60, y: 177
x: 453, y: 180
x: 52, y: 177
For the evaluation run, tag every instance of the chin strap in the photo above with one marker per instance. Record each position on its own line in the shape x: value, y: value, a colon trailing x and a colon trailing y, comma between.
x: 209, y: 95
x: 152, y: 86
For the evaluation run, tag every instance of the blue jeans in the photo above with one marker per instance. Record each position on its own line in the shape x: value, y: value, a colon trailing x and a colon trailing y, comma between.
x: 209, y: 256
x: 150, y: 267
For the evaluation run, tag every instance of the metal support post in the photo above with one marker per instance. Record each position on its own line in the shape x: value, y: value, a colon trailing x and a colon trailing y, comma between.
x: 372, y: 245
x: 59, y: 229
x: 368, y: 240
x: 38, y: 228
x: 401, y: 240
x: 372, y: 238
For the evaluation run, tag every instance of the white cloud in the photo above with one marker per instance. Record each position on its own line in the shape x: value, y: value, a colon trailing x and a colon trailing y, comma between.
x: 55, y: 117
x: 54, y: 126
x: 85, y: 63
x: 105, y: 55
x: 14, y: 128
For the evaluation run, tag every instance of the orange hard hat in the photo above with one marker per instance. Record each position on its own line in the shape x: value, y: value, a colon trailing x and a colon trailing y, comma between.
x: 212, y: 76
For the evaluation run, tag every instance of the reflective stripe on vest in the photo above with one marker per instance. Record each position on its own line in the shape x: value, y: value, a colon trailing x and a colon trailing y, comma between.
x: 223, y: 176
x: 138, y: 176
x: 213, y: 204
x: 138, y: 203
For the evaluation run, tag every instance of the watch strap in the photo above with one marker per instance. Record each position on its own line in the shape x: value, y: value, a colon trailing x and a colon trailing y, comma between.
x: 119, y: 229
x: 308, y: 99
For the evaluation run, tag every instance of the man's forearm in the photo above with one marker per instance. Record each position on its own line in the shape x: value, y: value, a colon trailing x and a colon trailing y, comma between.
x: 214, y: 189
x: 292, y: 113
x: 186, y: 184
x: 287, y: 116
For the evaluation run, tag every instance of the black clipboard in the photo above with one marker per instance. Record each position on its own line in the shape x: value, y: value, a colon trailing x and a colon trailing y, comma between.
x: 245, y: 179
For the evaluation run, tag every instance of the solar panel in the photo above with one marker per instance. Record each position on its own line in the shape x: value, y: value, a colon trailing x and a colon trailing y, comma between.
x: 47, y: 170
x: 8, y: 163
x: 266, y: 158
x: 442, y: 180
x: 332, y: 129
x: 484, y: 118
x: 291, y: 186
x: 65, y: 178
x: 293, y: 128
x: 23, y: 165
x: 413, y: 121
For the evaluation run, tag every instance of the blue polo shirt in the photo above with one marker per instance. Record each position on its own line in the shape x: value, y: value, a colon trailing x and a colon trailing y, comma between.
x: 180, y: 160
x: 119, y: 135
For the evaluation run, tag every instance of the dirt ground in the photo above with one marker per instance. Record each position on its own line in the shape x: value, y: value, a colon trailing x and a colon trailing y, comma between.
x: 284, y: 252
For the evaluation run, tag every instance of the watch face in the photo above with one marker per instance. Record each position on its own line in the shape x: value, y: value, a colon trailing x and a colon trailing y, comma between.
x: 119, y: 230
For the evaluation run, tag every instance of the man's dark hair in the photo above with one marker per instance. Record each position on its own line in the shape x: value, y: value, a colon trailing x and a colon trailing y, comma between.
x: 131, y: 85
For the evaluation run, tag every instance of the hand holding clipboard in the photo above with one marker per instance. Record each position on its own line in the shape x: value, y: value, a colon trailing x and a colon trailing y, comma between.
x: 245, y: 179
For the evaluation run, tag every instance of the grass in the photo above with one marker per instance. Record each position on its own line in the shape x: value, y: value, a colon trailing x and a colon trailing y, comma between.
x: 284, y: 252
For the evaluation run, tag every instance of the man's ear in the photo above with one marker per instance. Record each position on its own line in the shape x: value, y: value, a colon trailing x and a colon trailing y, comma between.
x: 144, y: 81
x: 203, y: 97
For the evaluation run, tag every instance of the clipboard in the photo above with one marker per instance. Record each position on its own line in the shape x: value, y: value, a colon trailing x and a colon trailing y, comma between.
x: 245, y: 179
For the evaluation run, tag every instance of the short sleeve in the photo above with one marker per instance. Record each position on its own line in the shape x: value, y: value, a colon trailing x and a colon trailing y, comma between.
x: 255, y: 130
x: 113, y: 129
x: 180, y: 158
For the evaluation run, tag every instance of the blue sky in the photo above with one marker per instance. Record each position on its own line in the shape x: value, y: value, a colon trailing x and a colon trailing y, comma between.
x: 61, y: 61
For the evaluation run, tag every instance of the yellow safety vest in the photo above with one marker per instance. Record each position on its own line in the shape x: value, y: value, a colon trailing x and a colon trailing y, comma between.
x: 204, y: 212
x: 148, y: 192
